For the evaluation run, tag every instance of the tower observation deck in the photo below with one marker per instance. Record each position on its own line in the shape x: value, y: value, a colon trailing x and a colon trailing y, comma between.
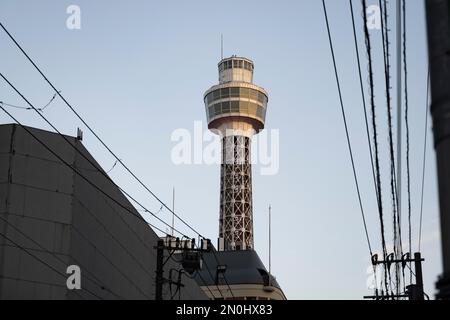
x: 236, y: 110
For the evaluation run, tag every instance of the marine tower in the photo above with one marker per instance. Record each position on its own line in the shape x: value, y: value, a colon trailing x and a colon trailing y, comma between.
x: 236, y: 110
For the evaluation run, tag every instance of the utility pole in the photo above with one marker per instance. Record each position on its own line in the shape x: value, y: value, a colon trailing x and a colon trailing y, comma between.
x: 413, y: 291
x: 191, y: 260
x: 438, y: 24
x: 159, y: 269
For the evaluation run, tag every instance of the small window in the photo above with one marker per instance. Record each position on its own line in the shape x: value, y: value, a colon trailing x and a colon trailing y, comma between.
x: 243, y: 106
x: 240, y: 64
x: 225, y: 107
x: 234, y: 92
x: 252, y: 109
x: 245, y: 93
x: 261, y: 97
x: 211, y: 112
x: 217, y: 109
x: 246, y: 65
x: 253, y: 94
x: 234, y: 106
x: 216, y: 95
x: 228, y: 64
x: 259, y: 112
x: 224, y: 92
x: 235, y: 64
x: 210, y: 97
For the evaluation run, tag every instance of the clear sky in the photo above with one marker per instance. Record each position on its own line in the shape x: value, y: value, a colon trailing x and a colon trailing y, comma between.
x: 137, y: 71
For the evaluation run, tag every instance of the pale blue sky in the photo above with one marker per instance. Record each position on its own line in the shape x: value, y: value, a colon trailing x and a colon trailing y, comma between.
x: 137, y: 70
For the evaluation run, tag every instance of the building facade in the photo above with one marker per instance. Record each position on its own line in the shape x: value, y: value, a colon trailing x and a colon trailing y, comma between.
x: 51, y: 218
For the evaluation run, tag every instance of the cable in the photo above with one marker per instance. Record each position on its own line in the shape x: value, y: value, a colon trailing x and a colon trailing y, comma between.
x: 87, y: 180
x: 44, y: 263
x: 345, y: 125
x: 210, y: 274
x: 207, y: 287
x: 375, y: 136
x: 113, y: 166
x: 424, y: 158
x: 51, y: 100
x: 212, y: 278
x: 224, y: 277
x: 363, y: 98
x: 77, y: 172
x: 90, y: 161
x: 58, y: 92
x: 13, y: 106
x: 407, y: 130
x: 101, y: 285
x: 393, y: 183
x: 29, y: 108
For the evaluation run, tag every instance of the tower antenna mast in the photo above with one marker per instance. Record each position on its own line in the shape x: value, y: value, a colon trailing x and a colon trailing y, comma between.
x: 221, y: 47
x: 270, y: 243
x: 173, y: 210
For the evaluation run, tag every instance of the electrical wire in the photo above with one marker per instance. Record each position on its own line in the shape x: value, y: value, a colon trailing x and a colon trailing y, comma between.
x: 44, y: 263
x: 207, y: 287
x: 76, y: 171
x: 424, y: 158
x: 224, y: 277
x: 58, y: 92
x: 405, y: 66
x: 369, y: 143
x: 375, y: 136
x: 345, y: 123
x: 90, y: 161
x: 96, y: 282
x: 393, y: 183
x: 13, y: 106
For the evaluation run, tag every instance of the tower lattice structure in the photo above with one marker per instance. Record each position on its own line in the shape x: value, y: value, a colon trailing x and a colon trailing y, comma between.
x: 236, y: 110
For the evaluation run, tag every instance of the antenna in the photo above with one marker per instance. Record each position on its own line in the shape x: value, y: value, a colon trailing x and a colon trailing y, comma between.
x: 270, y: 244
x: 173, y: 209
x: 221, y: 47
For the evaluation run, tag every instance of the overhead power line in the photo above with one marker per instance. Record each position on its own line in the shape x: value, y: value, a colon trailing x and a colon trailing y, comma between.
x: 344, y: 118
x: 89, y: 160
x: 64, y: 276
x: 375, y: 136
x: 408, y: 182
x: 93, y: 164
x: 369, y: 143
x: 424, y: 157
x: 96, y: 282
x: 393, y: 183
x: 83, y: 177
x: 75, y: 170
x: 58, y: 92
